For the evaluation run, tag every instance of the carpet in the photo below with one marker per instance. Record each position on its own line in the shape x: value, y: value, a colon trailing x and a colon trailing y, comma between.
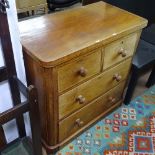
x: 130, y: 130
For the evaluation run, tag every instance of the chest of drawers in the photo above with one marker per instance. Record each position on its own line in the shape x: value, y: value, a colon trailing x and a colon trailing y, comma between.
x: 79, y: 60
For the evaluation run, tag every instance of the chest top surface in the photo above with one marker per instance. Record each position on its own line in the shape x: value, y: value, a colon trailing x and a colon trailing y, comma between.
x: 58, y: 37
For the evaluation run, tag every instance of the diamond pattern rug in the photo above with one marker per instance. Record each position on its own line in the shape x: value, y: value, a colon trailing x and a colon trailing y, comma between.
x: 130, y: 130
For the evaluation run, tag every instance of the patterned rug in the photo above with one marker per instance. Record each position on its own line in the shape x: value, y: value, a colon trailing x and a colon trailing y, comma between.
x: 130, y: 130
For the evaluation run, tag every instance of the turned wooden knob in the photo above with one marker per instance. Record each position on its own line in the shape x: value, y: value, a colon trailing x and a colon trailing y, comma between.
x: 112, y: 99
x: 81, y: 99
x: 82, y: 72
x: 79, y: 122
x: 117, y: 77
x: 122, y: 52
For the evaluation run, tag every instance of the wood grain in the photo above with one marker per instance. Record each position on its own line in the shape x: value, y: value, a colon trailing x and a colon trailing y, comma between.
x: 92, y: 89
x: 114, y: 51
x: 55, y: 38
x: 52, y: 149
x: 34, y: 75
x: 69, y: 125
x: 83, y: 41
x: 69, y: 74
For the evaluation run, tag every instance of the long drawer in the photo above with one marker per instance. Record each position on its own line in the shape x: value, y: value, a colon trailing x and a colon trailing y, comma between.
x: 79, y: 70
x: 83, y: 94
x: 80, y: 118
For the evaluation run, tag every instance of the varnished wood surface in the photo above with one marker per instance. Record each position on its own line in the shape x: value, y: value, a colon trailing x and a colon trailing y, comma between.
x: 55, y: 38
x: 79, y: 70
x: 69, y: 125
x: 35, y: 75
x: 53, y: 149
x: 86, y: 39
x: 120, y: 50
x: 92, y: 89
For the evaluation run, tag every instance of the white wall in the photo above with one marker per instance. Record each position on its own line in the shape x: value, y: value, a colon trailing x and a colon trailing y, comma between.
x: 5, y: 99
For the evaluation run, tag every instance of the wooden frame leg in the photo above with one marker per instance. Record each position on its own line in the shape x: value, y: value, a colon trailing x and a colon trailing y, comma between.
x: 2, y: 138
x: 11, y: 68
x: 15, y: 94
x: 131, y: 86
x: 35, y: 120
x: 151, y: 80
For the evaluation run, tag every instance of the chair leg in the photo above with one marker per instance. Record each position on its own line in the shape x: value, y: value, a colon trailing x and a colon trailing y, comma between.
x: 151, y: 80
x: 131, y: 86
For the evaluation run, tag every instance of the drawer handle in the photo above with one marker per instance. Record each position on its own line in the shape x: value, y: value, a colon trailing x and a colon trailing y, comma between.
x: 117, y: 77
x: 79, y: 122
x: 112, y: 99
x: 82, y: 72
x: 122, y: 52
x: 81, y: 99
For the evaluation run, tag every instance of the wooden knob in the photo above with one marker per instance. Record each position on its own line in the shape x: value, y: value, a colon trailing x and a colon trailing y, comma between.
x: 79, y: 122
x: 82, y: 72
x: 122, y: 52
x: 81, y: 99
x: 112, y: 99
x: 117, y: 77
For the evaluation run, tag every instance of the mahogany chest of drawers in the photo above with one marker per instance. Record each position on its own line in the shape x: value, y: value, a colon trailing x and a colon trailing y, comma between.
x: 79, y: 60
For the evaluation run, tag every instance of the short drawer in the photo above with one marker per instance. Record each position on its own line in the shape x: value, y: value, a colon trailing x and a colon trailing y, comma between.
x: 119, y: 50
x: 93, y: 88
x: 79, y: 70
x: 79, y: 119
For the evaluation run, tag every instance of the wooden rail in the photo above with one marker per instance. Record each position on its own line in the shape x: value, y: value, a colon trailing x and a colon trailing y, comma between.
x: 13, y: 112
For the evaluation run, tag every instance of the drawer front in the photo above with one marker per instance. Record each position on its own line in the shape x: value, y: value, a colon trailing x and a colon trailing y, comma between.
x: 119, y: 50
x: 79, y: 70
x: 79, y: 119
x: 83, y: 94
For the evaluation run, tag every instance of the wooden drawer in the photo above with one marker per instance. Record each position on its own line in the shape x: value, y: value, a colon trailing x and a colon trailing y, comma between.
x: 83, y: 94
x: 79, y: 119
x: 79, y: 70
x: 119, y: 50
